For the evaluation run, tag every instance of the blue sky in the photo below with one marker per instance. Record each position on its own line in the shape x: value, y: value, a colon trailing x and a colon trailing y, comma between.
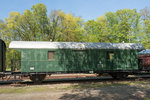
x: 87, y: 9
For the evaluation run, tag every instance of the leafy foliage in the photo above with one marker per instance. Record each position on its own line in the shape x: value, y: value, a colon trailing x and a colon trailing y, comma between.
x: 126, y: 25
x: 146, y: 27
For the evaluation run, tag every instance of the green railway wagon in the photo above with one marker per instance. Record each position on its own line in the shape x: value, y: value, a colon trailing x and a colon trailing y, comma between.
x: 77, y: 57
x: 2, y: 56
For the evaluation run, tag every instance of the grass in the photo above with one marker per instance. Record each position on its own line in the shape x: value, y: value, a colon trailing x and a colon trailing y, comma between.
x: 27, y: 89
x: 147, y: 99
x: 107, y: 84
x: 94, y: 85
x: 60, y: 87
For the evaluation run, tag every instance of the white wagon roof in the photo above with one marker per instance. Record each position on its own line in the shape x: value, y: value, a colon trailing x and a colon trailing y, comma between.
x: 73, y: 45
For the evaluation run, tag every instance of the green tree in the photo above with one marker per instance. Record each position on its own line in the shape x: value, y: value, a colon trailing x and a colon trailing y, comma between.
x: 32, y: 25
x: 42, y: 21
x: 146, y: 27
x: 65, y: 27
x: 2, y: 29
x: 97, y: 31
x: 71, y: 28
x: 6, y: 35
x: 124, y: 25
x: 55, y: 23
x: 91, y: 31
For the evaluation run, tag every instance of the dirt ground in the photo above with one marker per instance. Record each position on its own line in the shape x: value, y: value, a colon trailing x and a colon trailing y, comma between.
x: 116, y: 92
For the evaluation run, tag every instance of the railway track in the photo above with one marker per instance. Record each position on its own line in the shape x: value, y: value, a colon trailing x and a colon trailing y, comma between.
x: 72, y: 80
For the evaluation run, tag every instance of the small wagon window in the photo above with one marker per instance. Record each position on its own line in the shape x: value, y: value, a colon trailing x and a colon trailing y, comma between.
x: 51, y: 55
x: 110, y: 55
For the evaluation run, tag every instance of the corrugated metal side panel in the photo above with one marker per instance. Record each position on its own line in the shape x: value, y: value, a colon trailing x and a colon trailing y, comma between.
x: 146, y: 61
x: 78, y: 60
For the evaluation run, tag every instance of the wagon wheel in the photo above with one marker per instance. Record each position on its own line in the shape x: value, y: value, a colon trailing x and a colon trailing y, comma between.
x: 124, y: 75
x: 119, y: 75
x: 37, y: 78
x: 99, y: 74
x: 114, y: 76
